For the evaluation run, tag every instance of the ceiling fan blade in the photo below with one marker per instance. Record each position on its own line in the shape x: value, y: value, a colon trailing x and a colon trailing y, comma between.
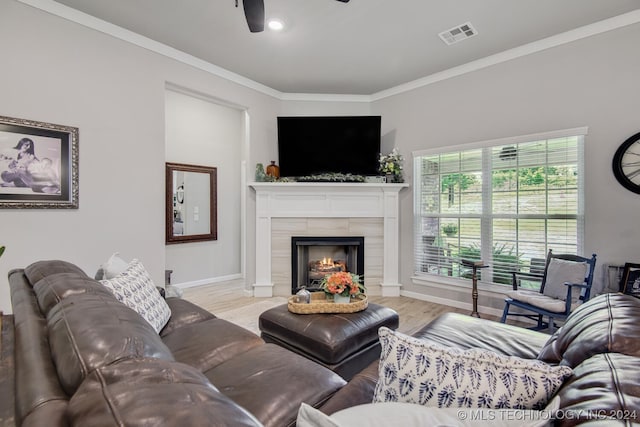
x: 254, y: 12
x: 344, y: 1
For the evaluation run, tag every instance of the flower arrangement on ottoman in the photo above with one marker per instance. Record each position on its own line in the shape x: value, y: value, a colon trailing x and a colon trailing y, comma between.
x: 341, y: 286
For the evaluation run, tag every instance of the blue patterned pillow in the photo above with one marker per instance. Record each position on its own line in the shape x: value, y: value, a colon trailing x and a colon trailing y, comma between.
x: 134, y: 288
x: 418, y: 371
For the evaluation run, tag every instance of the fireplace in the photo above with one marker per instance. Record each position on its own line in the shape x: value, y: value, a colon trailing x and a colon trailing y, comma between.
x: 286, y: 209
x: 312, y: 258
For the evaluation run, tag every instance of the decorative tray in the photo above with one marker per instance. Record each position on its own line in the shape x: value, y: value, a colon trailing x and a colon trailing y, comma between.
x: 319, y: 304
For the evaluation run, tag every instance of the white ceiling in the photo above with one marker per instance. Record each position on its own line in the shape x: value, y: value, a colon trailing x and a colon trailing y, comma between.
x: 359, y: 48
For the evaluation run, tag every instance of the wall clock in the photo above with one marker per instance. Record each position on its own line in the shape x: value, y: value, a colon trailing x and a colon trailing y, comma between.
x: 626, y: 164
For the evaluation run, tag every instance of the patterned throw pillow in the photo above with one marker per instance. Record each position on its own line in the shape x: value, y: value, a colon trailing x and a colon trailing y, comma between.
x: 417, y: 371
x: 134, y: 288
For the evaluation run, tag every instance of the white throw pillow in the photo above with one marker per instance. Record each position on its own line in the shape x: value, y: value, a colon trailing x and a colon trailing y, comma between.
x: 112, y: 268
x: 410, y: 415
x: 134, y: 288
x: 561, y: 271
x: 418, y: 371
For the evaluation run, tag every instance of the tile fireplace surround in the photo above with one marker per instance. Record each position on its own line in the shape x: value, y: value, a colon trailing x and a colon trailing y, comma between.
x: 326, y: 209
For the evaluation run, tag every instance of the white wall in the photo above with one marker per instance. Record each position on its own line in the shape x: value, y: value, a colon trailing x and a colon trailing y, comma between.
x: 204, y: 133
x: 57, y: 71
x: 343, y: 107
x: 592, y: 82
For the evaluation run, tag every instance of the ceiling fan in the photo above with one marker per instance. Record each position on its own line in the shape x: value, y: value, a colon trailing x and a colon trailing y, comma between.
x: 254, y: 12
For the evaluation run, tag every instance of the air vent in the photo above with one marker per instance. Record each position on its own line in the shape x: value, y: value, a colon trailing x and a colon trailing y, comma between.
x: 459, y: 33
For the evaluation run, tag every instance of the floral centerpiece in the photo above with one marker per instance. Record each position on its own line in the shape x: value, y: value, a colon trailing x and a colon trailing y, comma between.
x: 342, y: 284
x: 391, y: 165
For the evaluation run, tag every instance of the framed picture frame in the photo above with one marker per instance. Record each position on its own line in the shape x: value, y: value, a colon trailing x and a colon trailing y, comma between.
x: 630, y: 283
x: 38, y: 165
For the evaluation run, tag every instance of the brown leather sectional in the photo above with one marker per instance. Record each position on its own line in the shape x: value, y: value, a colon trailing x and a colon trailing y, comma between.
x: 82, y: 359
x: 600, y: 341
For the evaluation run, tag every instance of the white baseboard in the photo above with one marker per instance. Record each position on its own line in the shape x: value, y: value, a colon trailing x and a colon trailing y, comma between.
x: 208, y: 281
x: 452, y: 303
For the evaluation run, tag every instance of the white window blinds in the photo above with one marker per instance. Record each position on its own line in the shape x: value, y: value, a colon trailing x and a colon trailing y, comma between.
x: 504, y: 202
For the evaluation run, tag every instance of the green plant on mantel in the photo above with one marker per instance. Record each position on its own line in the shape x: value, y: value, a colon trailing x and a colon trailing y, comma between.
x: 1, y: 250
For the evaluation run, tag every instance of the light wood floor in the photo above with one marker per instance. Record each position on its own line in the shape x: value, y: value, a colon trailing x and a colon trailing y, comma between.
x: 413, y: 313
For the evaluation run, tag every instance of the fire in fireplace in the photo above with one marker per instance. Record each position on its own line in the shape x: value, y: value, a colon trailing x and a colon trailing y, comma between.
x: 312, y: 258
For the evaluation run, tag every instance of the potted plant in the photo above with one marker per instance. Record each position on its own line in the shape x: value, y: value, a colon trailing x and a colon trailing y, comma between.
x: 342, y: 286
x: 1, y: 250
x: 391, y: 166
x: 450, y: 230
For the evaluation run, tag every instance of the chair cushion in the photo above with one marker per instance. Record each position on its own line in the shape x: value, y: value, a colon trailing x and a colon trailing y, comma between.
x: 560, y: 272
x: 541, y: 301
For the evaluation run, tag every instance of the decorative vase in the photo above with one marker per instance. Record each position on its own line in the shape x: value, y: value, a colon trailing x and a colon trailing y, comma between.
x: 273, y: 170
x: 339, y: 299
x: 260, y: 175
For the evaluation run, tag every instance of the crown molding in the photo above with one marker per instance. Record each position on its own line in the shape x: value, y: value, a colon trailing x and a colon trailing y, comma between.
x: 105, y: 27
x: 89, y: 21
x: 327, y: 97
x: 517, y: 52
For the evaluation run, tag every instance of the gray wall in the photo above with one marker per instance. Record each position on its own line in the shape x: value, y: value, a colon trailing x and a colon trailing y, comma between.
x: 592, y: 82
x: 206, y: 133
x: 57, y: 71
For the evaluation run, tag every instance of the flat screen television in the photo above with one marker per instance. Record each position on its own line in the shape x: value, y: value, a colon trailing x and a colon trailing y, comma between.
x: 313, y: 145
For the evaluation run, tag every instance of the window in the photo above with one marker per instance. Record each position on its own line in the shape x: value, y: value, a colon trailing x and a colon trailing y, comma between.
x: 505, y: 202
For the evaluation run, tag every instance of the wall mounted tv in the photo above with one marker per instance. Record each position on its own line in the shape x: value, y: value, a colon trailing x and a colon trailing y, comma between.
x: 322, y: 144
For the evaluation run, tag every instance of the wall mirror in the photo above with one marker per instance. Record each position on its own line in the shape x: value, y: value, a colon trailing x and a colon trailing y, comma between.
x: 191, y: 203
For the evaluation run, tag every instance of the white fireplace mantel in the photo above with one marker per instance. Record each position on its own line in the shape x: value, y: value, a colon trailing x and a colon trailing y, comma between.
x: 327, y: 200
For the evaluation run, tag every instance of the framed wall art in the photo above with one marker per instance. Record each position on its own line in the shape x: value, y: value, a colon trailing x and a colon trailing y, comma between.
x: 630, y: 283
x: 38, y: 165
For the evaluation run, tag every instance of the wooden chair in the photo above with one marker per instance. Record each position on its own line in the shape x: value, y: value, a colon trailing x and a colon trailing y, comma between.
x: 564, y: 284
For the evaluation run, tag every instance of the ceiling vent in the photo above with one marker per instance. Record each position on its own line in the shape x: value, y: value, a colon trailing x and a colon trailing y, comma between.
x: 459, y: 33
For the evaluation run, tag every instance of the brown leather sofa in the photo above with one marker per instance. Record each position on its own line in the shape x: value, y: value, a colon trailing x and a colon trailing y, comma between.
x: 84, y: 359
x: 600, y: 341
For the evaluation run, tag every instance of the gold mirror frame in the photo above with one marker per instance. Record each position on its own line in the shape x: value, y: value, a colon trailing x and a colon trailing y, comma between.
x: 171, y: 238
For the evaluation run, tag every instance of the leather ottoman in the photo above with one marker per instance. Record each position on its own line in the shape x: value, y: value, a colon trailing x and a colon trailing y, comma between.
x: 344, y: 342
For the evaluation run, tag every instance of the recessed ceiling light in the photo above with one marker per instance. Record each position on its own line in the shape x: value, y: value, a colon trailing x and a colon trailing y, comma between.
x: 275, y: 25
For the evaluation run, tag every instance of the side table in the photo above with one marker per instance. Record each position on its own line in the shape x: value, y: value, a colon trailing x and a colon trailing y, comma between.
x: 474, y: 265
